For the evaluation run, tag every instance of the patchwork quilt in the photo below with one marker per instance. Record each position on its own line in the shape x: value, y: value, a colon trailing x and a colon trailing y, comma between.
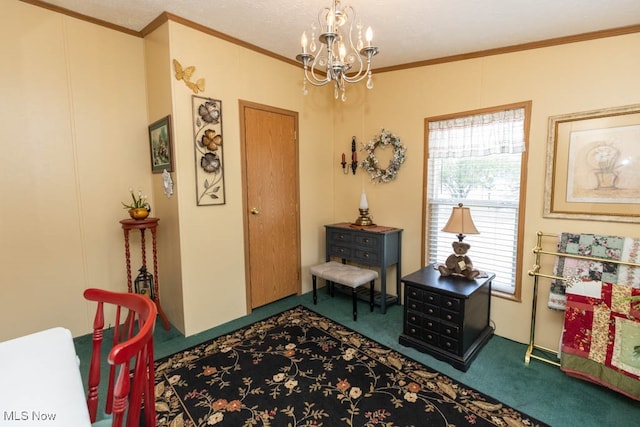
x: 601, y: 334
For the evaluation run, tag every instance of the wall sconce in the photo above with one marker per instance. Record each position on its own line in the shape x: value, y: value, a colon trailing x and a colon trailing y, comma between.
x: 354, y: 159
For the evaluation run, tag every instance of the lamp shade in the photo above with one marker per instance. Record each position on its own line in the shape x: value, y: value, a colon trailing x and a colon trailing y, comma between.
x: 460, y: 221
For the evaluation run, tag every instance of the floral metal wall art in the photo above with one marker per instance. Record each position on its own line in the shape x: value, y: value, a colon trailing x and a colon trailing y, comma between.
x: 208, y: 146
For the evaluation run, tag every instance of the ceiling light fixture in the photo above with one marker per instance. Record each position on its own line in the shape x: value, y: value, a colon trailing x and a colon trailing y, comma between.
x: 339, y: 57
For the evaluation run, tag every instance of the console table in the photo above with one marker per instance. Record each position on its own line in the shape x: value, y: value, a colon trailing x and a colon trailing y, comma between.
x: 376, y: 246
x: 447, y: 316
x: 143, y: 224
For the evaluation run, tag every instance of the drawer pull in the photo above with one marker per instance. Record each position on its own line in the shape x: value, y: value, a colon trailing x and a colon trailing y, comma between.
x: 430, y: 324
x: 341, y: 251
x: 448, y: 316
x: 448, y: 331
x: 413, y: 306
x: 366, y: 254
x: 431, y: 298
x: 430, y: 311
x: 448, y: 344
x: 413, y: 330
x: 365, y: 240
x: 341, y: 237
x: 429, y: 337
x: 449, y: 303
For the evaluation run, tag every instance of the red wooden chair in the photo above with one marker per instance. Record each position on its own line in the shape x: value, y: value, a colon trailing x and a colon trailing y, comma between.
x: 132, y: 342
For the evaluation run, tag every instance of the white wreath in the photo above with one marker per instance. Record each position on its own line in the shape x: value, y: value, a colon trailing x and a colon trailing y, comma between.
x: 370, y: 163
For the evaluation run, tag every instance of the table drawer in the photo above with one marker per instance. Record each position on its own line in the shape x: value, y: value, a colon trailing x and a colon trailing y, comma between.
x: 366, y: 241
x: 366, y: 256
x: 340, y: 251
x: 340, y: 237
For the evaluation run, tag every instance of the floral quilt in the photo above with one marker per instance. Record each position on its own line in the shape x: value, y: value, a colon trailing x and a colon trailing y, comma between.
x: 601, y: 335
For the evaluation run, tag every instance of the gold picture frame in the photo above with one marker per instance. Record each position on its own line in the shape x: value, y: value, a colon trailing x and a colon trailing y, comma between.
x: 593, y: 165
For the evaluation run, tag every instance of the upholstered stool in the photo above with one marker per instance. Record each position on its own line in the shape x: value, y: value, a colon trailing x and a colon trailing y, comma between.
x: 347, y: 275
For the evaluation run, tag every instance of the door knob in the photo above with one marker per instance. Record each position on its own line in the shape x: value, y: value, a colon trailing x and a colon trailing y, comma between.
x: 255, y: 211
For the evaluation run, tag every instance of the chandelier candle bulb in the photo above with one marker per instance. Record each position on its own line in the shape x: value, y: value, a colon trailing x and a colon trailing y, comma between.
x: 303, y: 41
x: 369, y: 36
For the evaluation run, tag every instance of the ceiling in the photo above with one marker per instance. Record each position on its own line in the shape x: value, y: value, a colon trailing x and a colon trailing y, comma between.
x: 405, y: 31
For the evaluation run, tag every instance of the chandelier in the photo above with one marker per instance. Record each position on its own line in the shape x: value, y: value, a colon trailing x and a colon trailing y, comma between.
x: 338, y: 59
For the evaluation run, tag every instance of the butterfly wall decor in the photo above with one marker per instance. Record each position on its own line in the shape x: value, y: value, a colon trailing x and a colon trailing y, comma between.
x: 185, y: 73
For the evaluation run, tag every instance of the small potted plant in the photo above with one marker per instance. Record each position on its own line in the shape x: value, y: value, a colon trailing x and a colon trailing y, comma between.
x: 139, y: 208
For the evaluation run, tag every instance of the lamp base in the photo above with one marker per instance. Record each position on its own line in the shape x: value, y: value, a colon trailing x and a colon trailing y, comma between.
x: 364, y: 220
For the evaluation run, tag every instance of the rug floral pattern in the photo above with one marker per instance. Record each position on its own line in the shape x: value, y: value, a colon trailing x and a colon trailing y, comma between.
x: 299, y: 368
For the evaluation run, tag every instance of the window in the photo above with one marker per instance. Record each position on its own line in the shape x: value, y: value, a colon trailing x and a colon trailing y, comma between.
x: 479, y: 159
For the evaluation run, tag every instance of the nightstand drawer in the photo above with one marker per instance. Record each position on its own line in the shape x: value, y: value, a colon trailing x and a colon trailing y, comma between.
x: 449, y: 344
x: 450, y: 316
x: 450, y: 331
x: 413, y: 293
x: 432, y: 310
x: 413, y: 304
x: 414, y: 331
x: 414, y: 318
x: 431, y: 298
x: 431, y: 324
x: 451, y: 303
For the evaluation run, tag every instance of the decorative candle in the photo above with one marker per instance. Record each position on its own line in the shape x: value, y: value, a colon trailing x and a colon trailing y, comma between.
x: 363, y: 201
x: 303, y: 42
x: 369, y: 36
x: 343, y: 158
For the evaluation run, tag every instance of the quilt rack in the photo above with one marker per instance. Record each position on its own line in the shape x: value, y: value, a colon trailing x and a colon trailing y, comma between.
x: 544, y: 354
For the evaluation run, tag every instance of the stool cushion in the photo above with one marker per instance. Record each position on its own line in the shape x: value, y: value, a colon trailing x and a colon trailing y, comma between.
x: 348, y: 275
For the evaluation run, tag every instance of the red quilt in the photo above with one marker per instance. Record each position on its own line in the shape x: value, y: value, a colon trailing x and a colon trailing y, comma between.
x: 601, y: 337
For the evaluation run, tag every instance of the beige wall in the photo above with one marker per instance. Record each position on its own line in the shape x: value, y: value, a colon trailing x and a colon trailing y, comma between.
x: 72, y: 109
x: 563, y: 79
x: 76, y: 102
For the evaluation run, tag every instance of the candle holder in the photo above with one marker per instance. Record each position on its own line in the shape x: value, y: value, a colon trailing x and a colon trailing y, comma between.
x: 354, y: 159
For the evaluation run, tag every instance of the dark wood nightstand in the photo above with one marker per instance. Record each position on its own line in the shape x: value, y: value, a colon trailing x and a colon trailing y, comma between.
x: 447, y: 316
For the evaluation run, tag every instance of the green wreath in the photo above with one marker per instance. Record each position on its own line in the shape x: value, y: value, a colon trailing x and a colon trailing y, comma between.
x: 370, y: 163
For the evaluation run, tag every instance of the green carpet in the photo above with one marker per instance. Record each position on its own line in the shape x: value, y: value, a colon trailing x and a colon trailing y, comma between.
x: 540, y: 390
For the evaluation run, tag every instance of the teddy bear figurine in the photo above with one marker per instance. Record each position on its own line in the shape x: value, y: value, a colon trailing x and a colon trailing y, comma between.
x: 458, y: 263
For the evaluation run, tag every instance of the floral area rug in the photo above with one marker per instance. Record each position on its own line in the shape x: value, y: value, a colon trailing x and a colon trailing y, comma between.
x: 299, y: 368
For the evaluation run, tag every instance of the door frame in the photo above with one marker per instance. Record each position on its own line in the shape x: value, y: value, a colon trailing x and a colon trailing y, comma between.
x: 245, y: 202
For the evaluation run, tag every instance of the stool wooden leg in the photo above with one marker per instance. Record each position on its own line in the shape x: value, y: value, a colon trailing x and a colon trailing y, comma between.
x: 315, y: 294
x: 371, y: 293
x: 354, y: 297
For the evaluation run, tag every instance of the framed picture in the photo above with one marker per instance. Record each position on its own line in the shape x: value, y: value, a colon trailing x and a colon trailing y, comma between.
x: 593, y: 165
x: 161, y: 144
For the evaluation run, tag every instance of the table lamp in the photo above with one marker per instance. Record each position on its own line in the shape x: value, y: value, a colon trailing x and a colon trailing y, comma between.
x: 459, y: 263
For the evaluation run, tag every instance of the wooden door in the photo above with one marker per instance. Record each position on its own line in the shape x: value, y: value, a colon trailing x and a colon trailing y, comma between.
x: 271, y: 200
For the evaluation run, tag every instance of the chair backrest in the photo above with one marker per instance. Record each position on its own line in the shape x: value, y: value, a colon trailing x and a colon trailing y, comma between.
x: 132, y: 342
